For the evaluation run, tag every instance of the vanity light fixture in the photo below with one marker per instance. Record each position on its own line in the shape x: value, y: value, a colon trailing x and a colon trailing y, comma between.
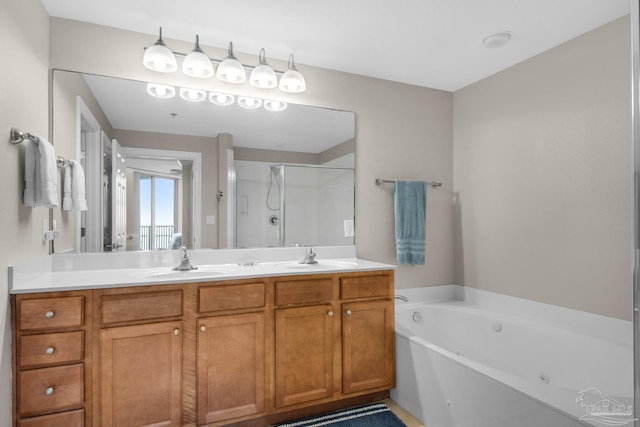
x: 292, y: 81
x: 496, y: 40
x: 159, y: 57
x: 249, y: 103
x: 263, y: 75
x: 193, y: 95
x: 197, y: 64
x: 275, y: 105
x: 221, y: 98
x: 161, y: 91
x: 229, y: 70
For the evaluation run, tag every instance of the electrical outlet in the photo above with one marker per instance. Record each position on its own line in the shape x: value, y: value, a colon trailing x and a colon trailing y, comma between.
x: 349, y: 230
x: 210, y: 220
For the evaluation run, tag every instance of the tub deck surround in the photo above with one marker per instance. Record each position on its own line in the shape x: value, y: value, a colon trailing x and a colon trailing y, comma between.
x: 530, y: 361
x: 65, y: 272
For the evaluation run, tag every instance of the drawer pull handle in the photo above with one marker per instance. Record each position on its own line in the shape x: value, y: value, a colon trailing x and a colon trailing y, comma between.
x: 176, y: 332
x: 203, y: 328
x: 330, y: 313
x: 49, y: 391
x: 348, y: 312
x: 50, y: 314
x: 50, y: 350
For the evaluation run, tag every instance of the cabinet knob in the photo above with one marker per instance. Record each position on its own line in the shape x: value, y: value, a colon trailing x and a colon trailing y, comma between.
x: 50, y: 314
x: 50, y: 350
x: 49, y: 391
x: 203, y: 328
x: 348, y: 312
x: 176, y: 332
x: 329, y: 313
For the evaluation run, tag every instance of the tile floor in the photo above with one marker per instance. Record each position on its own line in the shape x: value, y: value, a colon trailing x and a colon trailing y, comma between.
x: 406, y: 417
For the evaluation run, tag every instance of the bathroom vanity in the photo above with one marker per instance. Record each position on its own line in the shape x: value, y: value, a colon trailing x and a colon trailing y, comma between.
x: 250, y: 346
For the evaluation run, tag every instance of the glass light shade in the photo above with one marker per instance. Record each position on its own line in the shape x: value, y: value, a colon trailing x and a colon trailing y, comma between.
x: 275, y: 105
x: 250, y: 103
x: 221, y: 98
x: 197, y: 64
x: 263, y: 76
x: 292, y: 80
x: 160, y: 58
x: 230, y: 70
x: 193, y: 95
x: 161, y: 91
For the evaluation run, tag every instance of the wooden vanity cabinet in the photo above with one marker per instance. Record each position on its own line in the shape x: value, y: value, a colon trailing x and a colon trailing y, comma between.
x: 139, y: 374
x: 249, y: 352
x: 50, y: 364
x: 231, y: 351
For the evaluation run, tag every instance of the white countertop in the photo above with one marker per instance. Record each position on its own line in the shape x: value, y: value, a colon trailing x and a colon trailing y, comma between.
x: 93, y: 271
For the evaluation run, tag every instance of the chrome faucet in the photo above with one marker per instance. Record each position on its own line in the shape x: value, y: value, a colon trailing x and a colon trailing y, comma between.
x: 310, y: 257
x: 185, y: 264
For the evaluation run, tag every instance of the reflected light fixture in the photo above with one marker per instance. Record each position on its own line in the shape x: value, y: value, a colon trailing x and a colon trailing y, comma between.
x: 292, y: 81
x: 221, y: 98
x: 193, y: 95
x: 250, y: 103
x: 275, y: 105
x: 496, y: 40
x: 159, y: 57
x: 161, y: 91
x: 263, y: 75
x: 197, y: 64
x: 230, y: 69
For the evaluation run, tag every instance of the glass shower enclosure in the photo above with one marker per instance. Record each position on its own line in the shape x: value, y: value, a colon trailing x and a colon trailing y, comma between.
x: 281, y: 205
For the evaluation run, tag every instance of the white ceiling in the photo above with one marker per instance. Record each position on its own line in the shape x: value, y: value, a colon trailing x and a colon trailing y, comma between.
x: 431, y: 43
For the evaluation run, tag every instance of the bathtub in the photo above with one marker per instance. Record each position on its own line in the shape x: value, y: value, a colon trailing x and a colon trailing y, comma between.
x: 473, y: 358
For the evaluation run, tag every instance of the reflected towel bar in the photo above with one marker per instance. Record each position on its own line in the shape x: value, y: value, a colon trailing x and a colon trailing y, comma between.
x: 432, y: 184
x: 16, y: 136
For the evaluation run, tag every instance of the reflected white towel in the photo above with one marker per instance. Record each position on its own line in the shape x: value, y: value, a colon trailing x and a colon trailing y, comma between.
x: 41, y: 174
x: 74, y: 187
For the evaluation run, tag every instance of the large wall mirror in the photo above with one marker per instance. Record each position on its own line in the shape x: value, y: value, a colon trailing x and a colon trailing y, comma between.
x: 166, y: 168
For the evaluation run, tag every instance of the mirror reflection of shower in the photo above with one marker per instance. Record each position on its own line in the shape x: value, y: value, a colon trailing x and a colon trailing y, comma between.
x: 279, y: 205
x: 273, y: 202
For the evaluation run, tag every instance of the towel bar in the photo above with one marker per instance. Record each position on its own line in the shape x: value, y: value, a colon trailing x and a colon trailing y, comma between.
x: 432, y: 184
x: 16, y: 136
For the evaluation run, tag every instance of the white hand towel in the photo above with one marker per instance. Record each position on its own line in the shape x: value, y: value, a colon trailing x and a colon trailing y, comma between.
x: 78, y: 187
x: 67, y: 200
x: 47, y: 172
x: 30, y: 159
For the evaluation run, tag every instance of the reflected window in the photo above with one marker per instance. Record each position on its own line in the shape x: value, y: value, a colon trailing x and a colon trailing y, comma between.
x: 158, y: 206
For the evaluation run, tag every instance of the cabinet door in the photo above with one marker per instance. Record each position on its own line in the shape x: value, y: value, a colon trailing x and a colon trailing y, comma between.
x: 141, y: 375
x: 368, y: 346
x: 230, y: 367
x: 304, y: 354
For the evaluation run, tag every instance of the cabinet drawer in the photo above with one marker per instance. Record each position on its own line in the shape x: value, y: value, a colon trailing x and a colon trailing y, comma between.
x: 50, y: 313
x: 365, y: 286
x: 63, y: 419
x: 47, y: 390
x: 304, y: 291
x: 231, y: 297
x: 140, y: 306
x: 50, y: 349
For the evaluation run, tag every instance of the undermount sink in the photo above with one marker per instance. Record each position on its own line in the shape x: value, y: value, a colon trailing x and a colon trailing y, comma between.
x: 319, y: 265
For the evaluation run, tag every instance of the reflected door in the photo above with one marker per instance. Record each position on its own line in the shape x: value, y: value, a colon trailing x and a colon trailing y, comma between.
x: 158, y: 213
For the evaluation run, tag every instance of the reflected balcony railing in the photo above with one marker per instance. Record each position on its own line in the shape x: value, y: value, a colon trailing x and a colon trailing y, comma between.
x: 159, y: 238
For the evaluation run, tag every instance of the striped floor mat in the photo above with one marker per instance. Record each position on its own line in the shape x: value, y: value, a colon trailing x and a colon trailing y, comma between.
x: 374, y: 415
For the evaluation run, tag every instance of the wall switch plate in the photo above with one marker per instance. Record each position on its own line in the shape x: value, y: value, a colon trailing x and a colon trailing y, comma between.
x: 210, y: 220
x: 349, y: 230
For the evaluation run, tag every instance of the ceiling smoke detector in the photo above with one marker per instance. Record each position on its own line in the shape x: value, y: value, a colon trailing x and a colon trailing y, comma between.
x: 496, y: 40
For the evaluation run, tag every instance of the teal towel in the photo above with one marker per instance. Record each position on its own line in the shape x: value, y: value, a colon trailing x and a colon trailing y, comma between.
x: 410, y: 203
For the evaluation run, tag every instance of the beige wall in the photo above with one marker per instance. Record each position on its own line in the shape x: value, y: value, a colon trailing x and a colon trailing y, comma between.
x: 543, y: 177
x: 209, y: 149
x: 402, y: 131
x: 24, y: 31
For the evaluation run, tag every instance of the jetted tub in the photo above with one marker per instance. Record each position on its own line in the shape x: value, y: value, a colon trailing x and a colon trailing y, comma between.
x: 473, y: 358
